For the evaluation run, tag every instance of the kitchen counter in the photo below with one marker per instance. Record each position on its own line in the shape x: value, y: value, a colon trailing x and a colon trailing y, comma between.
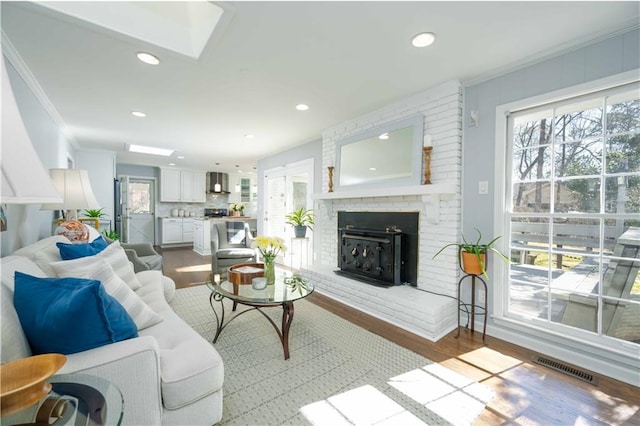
x: 225, y: 218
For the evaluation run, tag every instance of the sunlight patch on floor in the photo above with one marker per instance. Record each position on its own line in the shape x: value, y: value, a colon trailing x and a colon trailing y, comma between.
x: 205, y: 267
x: 450, y: 395
x: 490, y: 360
x: 361, y: 406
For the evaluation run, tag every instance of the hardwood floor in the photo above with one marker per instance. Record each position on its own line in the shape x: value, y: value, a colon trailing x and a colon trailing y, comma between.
x: 525, y: 393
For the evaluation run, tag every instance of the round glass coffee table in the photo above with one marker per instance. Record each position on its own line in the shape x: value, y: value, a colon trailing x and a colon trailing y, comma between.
x: 278, y: 294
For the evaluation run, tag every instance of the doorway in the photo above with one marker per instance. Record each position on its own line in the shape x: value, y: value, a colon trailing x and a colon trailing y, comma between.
x: 138, y: 208
x: 289, y: 188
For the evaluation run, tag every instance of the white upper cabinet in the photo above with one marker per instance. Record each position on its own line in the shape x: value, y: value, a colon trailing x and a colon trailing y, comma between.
x: 199, y: 187
x: 234, y: 188
x: 170, y: 185
x: 242, y: 188
x: 182, y: 186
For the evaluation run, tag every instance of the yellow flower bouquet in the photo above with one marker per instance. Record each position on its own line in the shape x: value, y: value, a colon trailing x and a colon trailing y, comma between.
x: 269, y: 248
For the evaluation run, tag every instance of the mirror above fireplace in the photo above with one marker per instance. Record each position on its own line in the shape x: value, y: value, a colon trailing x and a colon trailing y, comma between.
x: 387, y: 155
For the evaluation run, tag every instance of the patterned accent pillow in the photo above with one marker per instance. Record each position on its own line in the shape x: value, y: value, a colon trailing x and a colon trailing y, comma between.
x: 114, y: 255
x: 139, y: 311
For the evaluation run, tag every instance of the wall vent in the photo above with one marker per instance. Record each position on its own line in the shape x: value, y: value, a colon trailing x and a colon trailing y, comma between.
x: 566, y: 369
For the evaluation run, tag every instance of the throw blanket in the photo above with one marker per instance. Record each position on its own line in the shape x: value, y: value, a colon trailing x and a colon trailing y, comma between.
x: 235, y: 232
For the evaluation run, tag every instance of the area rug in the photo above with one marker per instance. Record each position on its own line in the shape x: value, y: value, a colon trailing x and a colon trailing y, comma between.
x: 338, y: 373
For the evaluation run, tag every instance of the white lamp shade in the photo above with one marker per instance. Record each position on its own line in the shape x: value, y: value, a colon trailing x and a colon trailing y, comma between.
x: 24, y: 178
x: 75, y: 188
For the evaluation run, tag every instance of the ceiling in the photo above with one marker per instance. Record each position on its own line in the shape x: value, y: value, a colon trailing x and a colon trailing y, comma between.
x: 343, y: 59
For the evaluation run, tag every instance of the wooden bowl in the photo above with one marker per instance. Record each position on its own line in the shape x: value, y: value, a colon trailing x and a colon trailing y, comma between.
x: 244, y: 273
x: 24, y: 382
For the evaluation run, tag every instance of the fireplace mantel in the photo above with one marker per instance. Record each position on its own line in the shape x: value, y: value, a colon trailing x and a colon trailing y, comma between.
x: 431, y: 195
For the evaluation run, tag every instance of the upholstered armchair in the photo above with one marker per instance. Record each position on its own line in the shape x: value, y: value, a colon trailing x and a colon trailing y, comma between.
x: 230, y: 245
x: 143, y: 256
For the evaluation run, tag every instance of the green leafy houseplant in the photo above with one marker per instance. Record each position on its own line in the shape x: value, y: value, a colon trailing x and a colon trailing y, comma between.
x: 477, y: 250
x: 95, y: 213
x: 300, y: 219
x: 111, y: 235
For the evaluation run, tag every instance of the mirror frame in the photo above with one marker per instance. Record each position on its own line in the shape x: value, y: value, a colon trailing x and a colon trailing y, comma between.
x: 417, y: 123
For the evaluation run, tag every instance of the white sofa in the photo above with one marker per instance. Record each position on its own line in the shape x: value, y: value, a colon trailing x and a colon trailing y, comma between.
x: 167, y: 375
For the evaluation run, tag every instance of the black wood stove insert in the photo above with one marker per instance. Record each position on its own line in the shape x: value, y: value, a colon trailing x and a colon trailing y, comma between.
x: 378, y: 247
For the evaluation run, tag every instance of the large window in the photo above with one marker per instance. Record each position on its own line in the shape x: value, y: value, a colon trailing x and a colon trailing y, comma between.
x: 573, y: 213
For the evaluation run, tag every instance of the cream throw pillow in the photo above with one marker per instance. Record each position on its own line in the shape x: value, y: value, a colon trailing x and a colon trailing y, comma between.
x: 114, y: 255
x: 140, y: 312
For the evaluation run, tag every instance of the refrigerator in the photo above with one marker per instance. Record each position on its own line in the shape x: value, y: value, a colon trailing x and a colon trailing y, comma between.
x: 117, y: 206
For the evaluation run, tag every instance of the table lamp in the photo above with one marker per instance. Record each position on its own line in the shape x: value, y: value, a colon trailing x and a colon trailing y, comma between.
x: 75, y: 188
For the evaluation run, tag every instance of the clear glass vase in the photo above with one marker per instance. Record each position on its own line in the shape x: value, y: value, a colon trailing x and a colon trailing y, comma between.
x: 269, y: 271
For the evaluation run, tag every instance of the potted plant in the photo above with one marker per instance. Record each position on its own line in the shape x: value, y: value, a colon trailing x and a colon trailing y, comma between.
x: 238, y: 209
x: 98, y: 213
x: 111, y: 235
x: 300, y: 219
x: 472, y: 256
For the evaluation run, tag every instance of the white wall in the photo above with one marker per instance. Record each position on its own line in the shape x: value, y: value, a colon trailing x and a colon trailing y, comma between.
x: 101, y: 167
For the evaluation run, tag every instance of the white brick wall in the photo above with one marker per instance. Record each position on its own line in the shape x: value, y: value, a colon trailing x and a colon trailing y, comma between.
x: 431, y: 316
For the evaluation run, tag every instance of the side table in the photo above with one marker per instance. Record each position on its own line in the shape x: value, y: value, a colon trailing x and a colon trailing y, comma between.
x: 471, y: 308
x: 75, y: 399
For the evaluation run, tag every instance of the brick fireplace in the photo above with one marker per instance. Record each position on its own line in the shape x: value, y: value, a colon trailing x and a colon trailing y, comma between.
x: 428, y: 308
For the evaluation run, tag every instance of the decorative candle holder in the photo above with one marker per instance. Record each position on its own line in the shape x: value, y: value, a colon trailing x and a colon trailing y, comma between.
x: 427, y: 164
x: 330, y: 168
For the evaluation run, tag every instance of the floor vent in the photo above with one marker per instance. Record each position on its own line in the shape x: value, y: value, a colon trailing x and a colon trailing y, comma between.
x: 568, y: 370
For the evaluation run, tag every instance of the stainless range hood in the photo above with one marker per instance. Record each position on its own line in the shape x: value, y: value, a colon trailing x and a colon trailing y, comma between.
x: 221, y: 179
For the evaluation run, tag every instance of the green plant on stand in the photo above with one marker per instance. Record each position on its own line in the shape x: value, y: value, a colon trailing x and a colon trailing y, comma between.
x: 300, y: 219
x: 474, y: 252
x: 95, y: 213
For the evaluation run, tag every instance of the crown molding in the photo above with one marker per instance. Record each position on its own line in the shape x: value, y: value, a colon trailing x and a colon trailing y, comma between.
x: 14, y: 58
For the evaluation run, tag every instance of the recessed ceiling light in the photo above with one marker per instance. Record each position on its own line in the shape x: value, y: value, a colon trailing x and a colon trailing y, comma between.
x: 373, y: 169
x: 180, y: 157
x: 148, y: 58
x: 302, y: 107
x: 423, y: 39
x: 172, y: 164
x: 149, y: 150
x: 249, y: 136
x: 384, y: 136
x: 138, y: 114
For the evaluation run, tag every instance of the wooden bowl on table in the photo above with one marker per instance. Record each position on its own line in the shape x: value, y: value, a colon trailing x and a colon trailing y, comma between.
x: 24, y: 382
x: 244, y: 273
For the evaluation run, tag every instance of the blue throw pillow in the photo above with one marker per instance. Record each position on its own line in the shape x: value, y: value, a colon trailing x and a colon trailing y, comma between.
x: 75, y: 251
x: 69, y: 315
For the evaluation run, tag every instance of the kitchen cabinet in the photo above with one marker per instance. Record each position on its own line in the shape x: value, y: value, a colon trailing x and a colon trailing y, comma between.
x: 187, y: 230
x: 242, y: 188
x: 182, y: 186
x: 202, y: 237
x: 171, y: 230
x: 199, y: 187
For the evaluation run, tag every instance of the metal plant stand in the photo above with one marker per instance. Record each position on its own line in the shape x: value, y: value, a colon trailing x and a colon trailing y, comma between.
x: 471, y: 308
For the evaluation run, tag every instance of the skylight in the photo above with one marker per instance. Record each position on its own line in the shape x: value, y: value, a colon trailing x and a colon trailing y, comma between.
x: 183, y: 27
x: 149, y: 150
